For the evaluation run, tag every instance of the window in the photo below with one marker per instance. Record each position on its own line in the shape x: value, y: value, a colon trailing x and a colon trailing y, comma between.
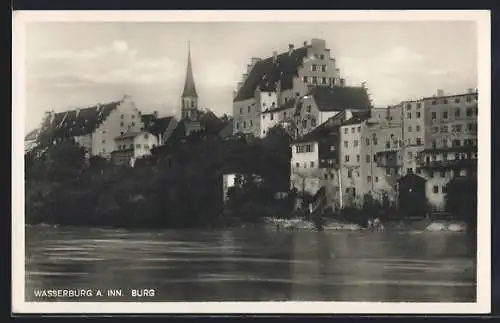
x: 349, y: 173
x: 418, y: 115
x: 248, y: 109
x: 359, y: 129
x: 315, y: 79
x: 297, y: 165
x: 395, y: 143
x: 241, y: 110
x: 367, y: 158
x: 347, y: 158
x: 469, y: 127
x: 456, y: 128
x: 456, y: 143
x: 308, y: 109
x: 312, y: 164
x: 408, y: 106
x: 284, y: 115
x: 434, y: 102
x: 445, y: 156
x: 305, y: 165
x: 121, y: 133
x: 387, y: 144
x: 375, y: 141
x: 419, y: 105
x: 374, y: 158
x: 304, y: 123
x: 419, y: 141
x: 244, y: 124
x: 434, y: 144
x: 410, y: 155
x: 408, y: 115
x: 357, y: 158
x: 418, y: 128
x: 468, y: 112
x: 435, y: 129
x: 409, y: 170
x: 323, y: 80
x: 376, y: 179
x: 356, y: 143
x: 346, y: 144
x: 313, y: 122
x: 237, y: 125
x: 457, y: 100
x: 445, y: 115
x: 368, y: 179
x: 388, y: 171
x: 103, y: 141
x: 321, y: 56
x: 445, y: 101
x: 272, y: 116
x: 313, y: 67
x: 346, y: 130
x: 121, y: 124
x: 353, y: 130
x: 433, y: 157
x: 367, y: 142
x: 304, y: 79
x: 409, y: 128
x: 469, y: 99
x: 323, y: 68
x: 251, y: 123
x: 444, y: 129
x: 146, y: 146
x: 435, y: 189
x: 309, y: 148
x: 433, y: 115
x: 138, y: 146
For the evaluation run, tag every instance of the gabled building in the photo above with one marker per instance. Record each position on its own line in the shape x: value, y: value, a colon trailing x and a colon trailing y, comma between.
x: 314, y: 162
x: 95, y: 128
x: 132, y: 146
x: 272, y: 82
x: 161, y: 127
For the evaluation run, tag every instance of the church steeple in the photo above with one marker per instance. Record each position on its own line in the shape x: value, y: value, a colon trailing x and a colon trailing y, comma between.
x: 189, y: 87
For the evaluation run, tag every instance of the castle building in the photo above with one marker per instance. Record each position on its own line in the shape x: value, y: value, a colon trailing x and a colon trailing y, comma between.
x: 282, y: 81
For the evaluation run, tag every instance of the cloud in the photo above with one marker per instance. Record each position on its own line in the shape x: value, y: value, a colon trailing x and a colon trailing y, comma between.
x: 120, y: 46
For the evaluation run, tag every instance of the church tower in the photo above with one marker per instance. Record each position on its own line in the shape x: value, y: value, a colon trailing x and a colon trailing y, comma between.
x: 189, y: 96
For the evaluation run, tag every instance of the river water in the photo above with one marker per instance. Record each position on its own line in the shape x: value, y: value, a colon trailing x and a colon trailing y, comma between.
x: 250, y: 265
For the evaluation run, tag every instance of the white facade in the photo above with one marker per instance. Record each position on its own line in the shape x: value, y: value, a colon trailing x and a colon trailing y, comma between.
x: 305, y: 172
x: 135, y: 145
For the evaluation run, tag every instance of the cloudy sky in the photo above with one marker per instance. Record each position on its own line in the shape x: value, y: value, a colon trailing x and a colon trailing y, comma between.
x: 71, y: 65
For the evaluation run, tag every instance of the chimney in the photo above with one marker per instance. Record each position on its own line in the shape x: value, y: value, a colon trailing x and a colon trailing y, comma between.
x: 470, y: 90
x: 440, y: 92
x: 342, y: 82
x: 290, y: 49
x: 275, y: 56
x: 155, y: 114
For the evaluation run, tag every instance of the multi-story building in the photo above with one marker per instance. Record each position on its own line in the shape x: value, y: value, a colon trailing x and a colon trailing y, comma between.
x: 269, y: 83
x: 369, y: 156
x: 132, y: 146
x: 314, y: 162
x: 95, y: 128
x: 302, y: 114
x: 450, y: 145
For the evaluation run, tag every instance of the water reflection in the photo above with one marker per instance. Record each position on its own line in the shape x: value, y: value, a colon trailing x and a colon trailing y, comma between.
x: 253, y: 265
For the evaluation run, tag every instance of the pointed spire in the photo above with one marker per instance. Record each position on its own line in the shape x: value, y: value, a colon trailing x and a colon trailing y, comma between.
x: 189, y: 87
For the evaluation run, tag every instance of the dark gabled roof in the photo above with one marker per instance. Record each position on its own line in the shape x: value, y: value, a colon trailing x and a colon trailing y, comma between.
x: 80, y: 122
x: 411, y: 179
x: 227, y: 130
x: 290, y: 104
x: 338, y: 98
x: 266, y: 73
x: 325, y: 130
x: 210, y: 122
x: 32, y: 135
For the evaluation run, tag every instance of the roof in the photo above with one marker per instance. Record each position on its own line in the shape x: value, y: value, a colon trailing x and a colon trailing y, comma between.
x: 290, y: 104
x: 339, y: 98
x: 80, y: 122
x: 32, y: 135
x: 189, y: 87
x: 411, y: 178
x: 325, y: 130
x: 227, y: 131
x: 266, y: 73
x: 154, y: 124
x: 356, y: 119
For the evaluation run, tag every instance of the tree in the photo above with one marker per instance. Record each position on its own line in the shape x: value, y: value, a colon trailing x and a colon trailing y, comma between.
x: 461, y: 200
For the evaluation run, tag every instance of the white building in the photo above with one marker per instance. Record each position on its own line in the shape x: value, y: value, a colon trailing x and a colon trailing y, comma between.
x: 132, y: 146
x: 95, y: 128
